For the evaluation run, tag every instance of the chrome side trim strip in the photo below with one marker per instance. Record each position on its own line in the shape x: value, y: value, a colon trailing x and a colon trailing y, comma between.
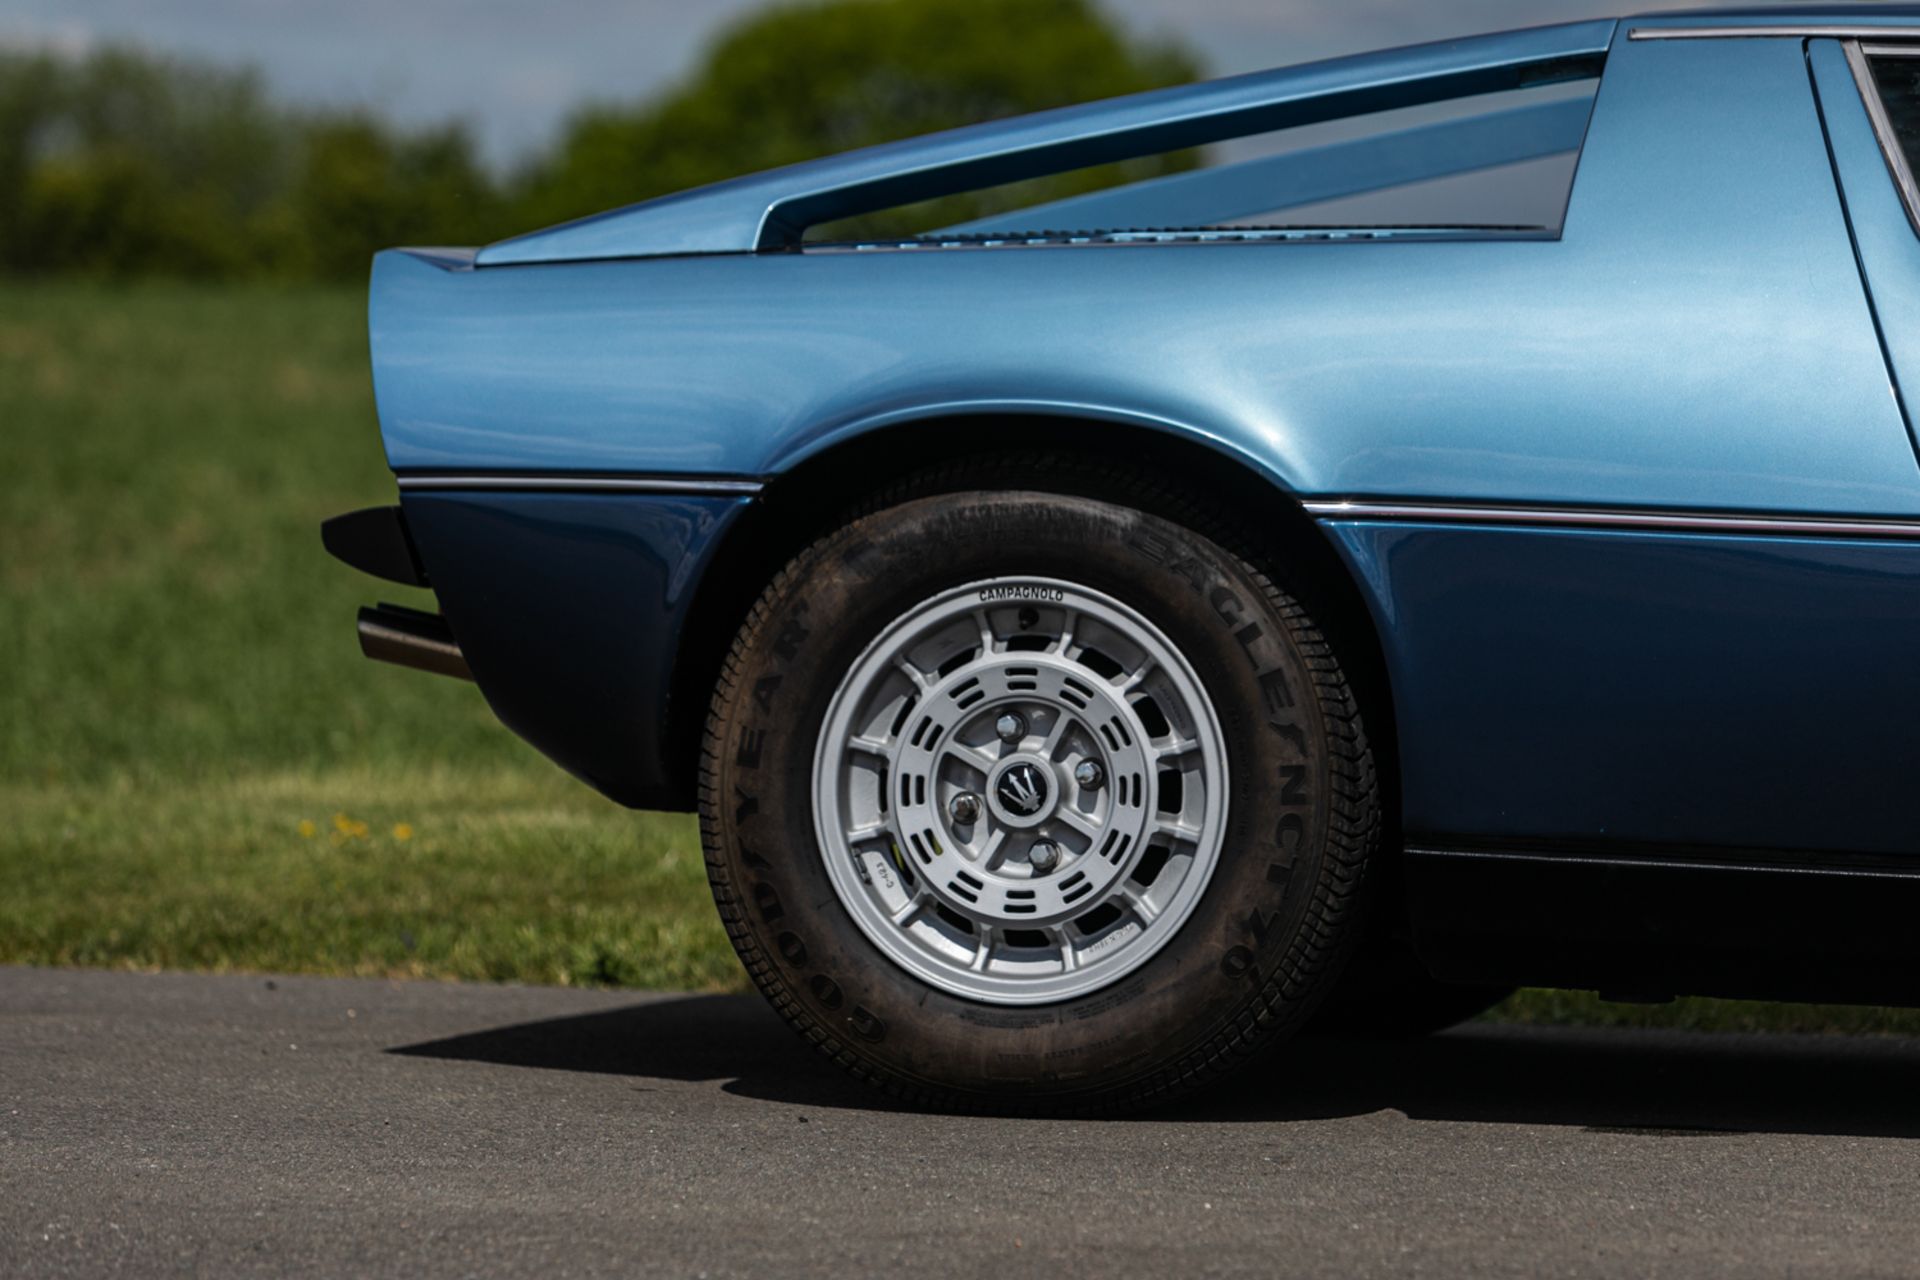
x: 1780, y: 32
x: 534, y: 482
x: 1597, y: 518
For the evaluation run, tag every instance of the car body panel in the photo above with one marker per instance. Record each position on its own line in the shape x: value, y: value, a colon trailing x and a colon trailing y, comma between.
x: 1570, y: 470
x: 1797, y: 21
x: 568, y: 607
x: 1637, y: 360
x: 1883, y: 228
x: 1590, y: 686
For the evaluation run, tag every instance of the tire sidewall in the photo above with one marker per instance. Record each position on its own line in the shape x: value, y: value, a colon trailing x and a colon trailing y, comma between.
x: 1256, y: 948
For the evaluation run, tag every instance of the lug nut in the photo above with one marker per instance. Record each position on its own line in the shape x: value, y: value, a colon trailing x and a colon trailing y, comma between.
x: 1089, y: 775
x: 965, y: 808
x: 1044, y: 856
x: 1011, y: 726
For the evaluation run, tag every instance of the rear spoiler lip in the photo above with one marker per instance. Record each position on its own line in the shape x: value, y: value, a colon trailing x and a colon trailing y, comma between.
x: 447, y: 258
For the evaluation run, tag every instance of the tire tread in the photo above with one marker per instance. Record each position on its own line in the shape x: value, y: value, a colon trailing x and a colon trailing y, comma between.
x: 1354, y: 826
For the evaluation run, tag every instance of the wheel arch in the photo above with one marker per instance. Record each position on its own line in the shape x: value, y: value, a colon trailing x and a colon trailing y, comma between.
x: 837, y: 472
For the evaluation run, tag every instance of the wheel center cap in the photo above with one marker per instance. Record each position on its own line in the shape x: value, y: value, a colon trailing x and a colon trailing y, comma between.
x: 1021, y: 791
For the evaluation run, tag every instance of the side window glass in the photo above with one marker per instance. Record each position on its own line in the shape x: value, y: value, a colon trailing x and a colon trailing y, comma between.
x: 1897, y: 78
x: 1498, y: 162
x: 1889, y: 78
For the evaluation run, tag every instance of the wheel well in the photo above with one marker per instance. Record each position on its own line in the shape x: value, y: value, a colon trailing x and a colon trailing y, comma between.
x: 815, y: 496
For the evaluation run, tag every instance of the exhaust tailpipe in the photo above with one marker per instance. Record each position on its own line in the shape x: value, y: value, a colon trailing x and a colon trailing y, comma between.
x: 411, y: 638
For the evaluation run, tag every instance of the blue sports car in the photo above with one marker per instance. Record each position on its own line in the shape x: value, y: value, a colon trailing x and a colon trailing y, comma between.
x: 1466, y: 533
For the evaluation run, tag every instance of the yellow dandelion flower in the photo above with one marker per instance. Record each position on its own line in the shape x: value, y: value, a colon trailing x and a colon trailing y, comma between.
x: 307, y: 829
x: 403, y: 831
x: 358, y: 830
x: 343, y: 824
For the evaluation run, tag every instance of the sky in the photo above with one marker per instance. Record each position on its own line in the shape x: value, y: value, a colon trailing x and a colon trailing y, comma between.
x: 513, y: 69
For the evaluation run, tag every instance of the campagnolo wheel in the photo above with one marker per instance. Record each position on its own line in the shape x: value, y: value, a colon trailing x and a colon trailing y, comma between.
x: 1034, y: 799
x: 1018, y: 790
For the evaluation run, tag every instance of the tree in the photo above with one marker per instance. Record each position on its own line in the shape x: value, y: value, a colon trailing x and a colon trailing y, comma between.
x: 362, y: 186
x: 805, y: 80
x: 30, y: 87
x: 125, y: 163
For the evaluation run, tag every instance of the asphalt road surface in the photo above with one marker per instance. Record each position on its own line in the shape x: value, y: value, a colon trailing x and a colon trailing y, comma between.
x: 155, y: 1124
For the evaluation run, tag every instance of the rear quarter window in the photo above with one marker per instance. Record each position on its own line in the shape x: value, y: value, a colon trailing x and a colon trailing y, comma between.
x: 1496, y: 162
x: 1896, y: 79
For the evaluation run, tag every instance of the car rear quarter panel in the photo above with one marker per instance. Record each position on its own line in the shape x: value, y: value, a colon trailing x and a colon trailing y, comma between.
x: 569, y: 609
x: 1697, y: 338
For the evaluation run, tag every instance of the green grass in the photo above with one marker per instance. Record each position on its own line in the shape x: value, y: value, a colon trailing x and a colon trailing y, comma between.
x: 426, y: 872
x: 180, y: 688
x: 198, y: 769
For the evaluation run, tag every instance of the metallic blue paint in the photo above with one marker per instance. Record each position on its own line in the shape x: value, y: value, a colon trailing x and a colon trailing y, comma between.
x: 1661, y: 689
x: 1883, y: 233
x: 1794, y: 18
x: 1696, y: 337
x: 568, y: 608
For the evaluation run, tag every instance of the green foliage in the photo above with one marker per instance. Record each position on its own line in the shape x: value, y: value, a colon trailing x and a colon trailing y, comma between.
x: 123, y: 163
x: 807, y: 80
x: 126, y: 164
x: 361, y: 187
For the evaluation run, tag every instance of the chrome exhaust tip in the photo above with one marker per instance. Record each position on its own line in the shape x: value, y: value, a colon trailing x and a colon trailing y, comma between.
x: 411, y: 638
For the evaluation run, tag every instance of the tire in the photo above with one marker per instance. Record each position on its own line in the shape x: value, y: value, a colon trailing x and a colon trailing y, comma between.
x: 1240, y: 944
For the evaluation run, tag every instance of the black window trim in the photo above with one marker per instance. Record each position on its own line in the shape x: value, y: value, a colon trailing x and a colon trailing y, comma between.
x: 1857, y: 55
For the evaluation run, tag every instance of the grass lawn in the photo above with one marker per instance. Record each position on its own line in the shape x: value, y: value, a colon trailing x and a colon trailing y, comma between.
x: 198, y: 769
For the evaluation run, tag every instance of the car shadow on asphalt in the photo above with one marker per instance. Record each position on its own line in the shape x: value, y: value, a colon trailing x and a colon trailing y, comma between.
x: 1653, y: 1083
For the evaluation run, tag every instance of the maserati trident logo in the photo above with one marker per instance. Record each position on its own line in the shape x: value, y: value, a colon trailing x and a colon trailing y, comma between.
x: 1022, y: 789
